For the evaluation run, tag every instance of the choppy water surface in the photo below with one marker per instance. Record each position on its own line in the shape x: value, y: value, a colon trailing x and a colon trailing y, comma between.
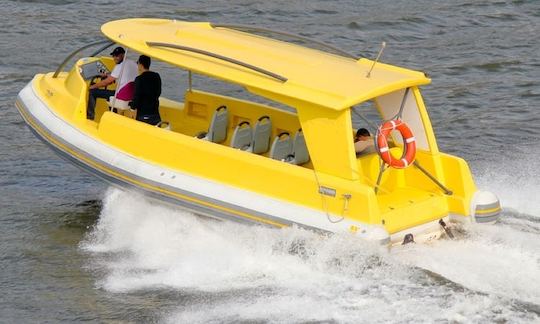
x: 74, y: 250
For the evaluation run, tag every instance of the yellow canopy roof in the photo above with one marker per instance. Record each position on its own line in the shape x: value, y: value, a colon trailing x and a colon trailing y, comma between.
x: 306, y: 74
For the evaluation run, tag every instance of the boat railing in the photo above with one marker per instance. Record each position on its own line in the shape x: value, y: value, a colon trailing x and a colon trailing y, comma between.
x: 107, y: 43
x: 220, y: 57
x: 284, y: 33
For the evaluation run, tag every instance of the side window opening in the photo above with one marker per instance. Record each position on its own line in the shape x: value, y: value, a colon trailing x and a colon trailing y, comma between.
x: 365, y: 115
x: 372, y: 113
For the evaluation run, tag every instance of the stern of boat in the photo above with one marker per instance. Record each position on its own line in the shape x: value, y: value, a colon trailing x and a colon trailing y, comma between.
x: 411, y: 204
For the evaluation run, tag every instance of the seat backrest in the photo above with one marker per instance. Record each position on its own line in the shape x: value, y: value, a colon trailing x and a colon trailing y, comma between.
x: 301, y: 154
x: 261, y: 135
x: 242, y: 136
x: 217, y: 132
x: 281, y: 147
x: 118, y: 103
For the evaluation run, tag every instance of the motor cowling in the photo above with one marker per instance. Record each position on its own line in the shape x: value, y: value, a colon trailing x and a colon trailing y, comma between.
x: 486, y: 207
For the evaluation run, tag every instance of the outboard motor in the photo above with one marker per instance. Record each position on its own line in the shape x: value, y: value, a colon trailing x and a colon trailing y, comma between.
x: 485, y: 207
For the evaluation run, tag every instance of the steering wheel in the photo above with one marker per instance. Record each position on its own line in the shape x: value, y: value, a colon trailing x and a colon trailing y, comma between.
x: 100, y: 70
x: 92, y: 70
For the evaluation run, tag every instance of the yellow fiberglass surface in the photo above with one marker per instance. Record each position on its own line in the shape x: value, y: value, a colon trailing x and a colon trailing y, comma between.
x: 308, y: 75
x: 321, y: 87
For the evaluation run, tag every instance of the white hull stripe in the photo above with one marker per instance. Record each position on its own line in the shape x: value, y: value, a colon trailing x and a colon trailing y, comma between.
x: 125, y: 184
x: 192, y: 206
x: 196, y: 208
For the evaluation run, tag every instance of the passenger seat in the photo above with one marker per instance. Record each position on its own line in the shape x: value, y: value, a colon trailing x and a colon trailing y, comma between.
x: 118, y: 103
x: 242, y: 136
x: 217, y: 132
x: 261, y: 135
x: 281, y: 147
x: 300, y: 154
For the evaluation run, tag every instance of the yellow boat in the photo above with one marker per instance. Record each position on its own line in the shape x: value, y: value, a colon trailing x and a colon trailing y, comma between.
x: 288, y: 162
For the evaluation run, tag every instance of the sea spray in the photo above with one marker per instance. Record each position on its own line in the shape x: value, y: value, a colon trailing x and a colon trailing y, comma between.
x: 514, y: 178
x: 231, y: 272
x: 157, y: 245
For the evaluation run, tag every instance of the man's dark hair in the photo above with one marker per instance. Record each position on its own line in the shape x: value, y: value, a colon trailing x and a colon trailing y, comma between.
x: 144, y: 61
x: 362, y: 132
x: 117, y: 51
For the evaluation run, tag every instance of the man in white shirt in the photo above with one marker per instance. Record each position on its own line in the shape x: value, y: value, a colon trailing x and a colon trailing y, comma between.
x: 125, y: 70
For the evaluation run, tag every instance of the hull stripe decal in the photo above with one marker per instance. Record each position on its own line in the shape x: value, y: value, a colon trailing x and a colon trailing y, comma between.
x: 120, y: 178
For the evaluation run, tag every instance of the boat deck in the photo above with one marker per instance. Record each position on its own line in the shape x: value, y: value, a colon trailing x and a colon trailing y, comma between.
x: 406, y: 207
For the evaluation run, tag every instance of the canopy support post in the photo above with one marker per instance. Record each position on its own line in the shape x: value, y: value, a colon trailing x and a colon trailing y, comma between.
x: 379, y: 177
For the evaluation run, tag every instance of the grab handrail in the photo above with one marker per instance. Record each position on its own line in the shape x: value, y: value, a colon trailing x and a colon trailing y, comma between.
x: 280, y: 32
x: 101, y: 49
x: 59, y: 69
x: 218, y: 56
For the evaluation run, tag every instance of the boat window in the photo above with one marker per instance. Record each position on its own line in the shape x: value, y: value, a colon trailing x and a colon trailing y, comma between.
x: 365, y: 115
x: 372, y: 113
x: 204, y: 83
x: 190, y: 112
x: 389, y: 105
x: 174, y: 80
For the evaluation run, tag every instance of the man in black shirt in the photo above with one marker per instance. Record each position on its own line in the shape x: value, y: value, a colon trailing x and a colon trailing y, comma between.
x: 147, y: 92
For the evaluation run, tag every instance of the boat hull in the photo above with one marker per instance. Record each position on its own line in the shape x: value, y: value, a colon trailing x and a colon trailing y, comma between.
x: 200, y: 196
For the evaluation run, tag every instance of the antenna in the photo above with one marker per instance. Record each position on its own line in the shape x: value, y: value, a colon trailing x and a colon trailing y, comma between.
x: 383, y: 45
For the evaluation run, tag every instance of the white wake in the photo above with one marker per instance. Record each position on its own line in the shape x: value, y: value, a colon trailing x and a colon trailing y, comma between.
x: 231, y: 272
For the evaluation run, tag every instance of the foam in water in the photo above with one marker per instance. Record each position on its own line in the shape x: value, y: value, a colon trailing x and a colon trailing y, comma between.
x: 231, y: 272
x: 155, y: 245
x: 502, y: 259
x: 493, y: 259
x: 514, y: 179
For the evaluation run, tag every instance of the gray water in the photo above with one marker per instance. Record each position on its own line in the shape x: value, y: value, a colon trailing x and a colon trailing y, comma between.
x: 73, y: 249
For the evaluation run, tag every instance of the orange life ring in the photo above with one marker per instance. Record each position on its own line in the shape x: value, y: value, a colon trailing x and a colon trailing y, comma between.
x: 409, y: 151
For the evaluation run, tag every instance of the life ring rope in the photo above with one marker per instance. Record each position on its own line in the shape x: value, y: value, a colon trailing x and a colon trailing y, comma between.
x: 409, y: 150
